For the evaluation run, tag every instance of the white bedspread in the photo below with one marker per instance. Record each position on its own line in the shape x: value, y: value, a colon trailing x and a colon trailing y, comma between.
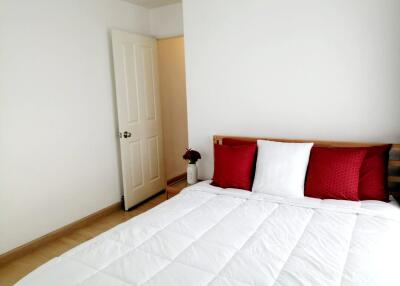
x: 210, y: 236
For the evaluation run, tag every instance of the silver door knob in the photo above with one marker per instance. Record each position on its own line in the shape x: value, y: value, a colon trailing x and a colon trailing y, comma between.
x: 127, y: 134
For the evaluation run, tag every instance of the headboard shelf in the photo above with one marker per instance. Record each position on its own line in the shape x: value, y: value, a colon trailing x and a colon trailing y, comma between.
x: 394, y: 179
x: 394, y: 163
x: 319, y: 143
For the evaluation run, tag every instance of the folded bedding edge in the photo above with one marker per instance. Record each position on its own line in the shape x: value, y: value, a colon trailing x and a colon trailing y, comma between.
x: 389, y: 210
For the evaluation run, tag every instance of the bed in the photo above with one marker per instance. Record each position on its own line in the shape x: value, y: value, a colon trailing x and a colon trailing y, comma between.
x: 207, y: 235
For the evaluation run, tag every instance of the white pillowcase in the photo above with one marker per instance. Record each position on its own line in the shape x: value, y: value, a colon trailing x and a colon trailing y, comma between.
x: 281, y: 168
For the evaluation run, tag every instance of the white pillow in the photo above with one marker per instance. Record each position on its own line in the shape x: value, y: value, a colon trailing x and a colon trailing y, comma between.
x: 281, y: 168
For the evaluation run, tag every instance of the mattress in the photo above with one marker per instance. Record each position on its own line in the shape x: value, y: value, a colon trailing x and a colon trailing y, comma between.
x: 210, y: 236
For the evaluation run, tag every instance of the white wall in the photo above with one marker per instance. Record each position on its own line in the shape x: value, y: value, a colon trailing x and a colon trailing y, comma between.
x: 294, y: 69
x: 167, y: 21
x: 58, y: 145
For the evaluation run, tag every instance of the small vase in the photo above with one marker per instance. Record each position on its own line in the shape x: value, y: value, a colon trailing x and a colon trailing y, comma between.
x: 192, y: 174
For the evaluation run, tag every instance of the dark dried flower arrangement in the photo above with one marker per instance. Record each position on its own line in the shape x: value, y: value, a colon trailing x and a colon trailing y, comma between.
x: 191, y: 155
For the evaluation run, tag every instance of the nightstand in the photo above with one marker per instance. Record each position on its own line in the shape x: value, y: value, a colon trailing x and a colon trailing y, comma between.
x: 175, y: 188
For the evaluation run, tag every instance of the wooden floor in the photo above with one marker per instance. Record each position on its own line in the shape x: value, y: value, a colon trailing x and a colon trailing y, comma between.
x: 15, y: 270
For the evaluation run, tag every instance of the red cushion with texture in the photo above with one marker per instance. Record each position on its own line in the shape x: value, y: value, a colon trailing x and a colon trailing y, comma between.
x: 241, y: 142
x: 373, y: 174
x: 233, y: 166
x: 333, y: 173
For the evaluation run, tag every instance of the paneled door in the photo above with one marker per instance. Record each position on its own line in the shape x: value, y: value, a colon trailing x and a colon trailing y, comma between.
x: 139, y: 116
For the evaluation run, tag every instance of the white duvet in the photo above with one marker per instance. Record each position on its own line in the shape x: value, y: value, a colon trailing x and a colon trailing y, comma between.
x: 210, y: 236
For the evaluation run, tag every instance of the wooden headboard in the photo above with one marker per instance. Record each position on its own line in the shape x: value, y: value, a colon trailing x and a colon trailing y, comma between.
x: 394, y: 157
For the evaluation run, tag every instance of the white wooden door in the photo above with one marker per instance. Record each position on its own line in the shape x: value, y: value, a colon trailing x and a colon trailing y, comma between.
x: 139, y: 116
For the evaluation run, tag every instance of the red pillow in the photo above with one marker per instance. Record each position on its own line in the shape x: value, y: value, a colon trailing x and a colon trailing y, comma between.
x: 233, y: 166
x: 333, y: 173
x: 373, y: 174
x: 239, y: 142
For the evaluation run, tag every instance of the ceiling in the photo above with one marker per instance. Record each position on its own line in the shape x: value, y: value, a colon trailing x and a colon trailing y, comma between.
x: 153, y: 3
